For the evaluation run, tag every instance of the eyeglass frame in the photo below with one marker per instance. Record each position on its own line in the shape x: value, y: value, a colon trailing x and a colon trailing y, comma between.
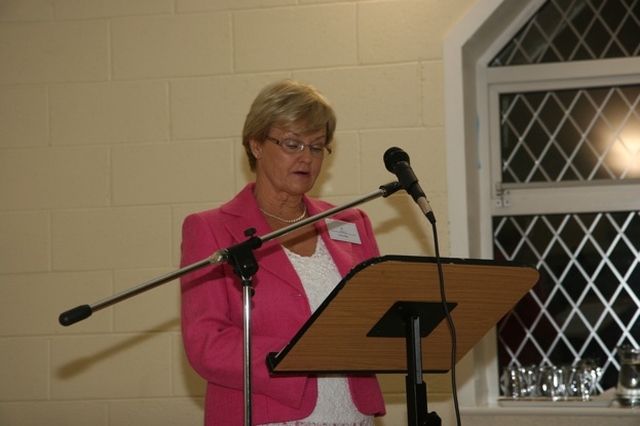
x: 300, y: 146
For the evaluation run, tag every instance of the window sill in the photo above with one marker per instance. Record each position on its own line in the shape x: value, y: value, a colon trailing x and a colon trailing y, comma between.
x: 614, y: 410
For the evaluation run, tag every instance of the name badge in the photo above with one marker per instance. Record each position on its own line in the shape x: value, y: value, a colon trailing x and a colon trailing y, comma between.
x: 343, y: 231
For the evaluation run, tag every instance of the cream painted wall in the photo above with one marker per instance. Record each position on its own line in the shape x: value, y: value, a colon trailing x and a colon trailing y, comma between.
x: 118, y: 118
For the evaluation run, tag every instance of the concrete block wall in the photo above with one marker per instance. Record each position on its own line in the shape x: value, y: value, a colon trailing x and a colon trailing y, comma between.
x: 118, y: 118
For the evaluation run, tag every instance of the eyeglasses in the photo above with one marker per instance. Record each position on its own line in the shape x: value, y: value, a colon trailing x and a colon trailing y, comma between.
x: 294, y: 146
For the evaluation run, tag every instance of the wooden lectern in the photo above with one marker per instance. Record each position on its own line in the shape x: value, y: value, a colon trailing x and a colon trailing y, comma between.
x: 357, y: 328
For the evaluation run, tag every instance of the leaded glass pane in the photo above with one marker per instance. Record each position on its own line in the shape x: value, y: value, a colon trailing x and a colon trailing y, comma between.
x: 575, y: 30
x: 571, y: 135
x: 588, y: 299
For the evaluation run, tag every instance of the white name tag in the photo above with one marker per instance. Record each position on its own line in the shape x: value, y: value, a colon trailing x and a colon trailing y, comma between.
x: 343, y: 231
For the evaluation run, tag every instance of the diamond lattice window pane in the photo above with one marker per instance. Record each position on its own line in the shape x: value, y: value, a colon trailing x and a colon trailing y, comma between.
x: 571, y: 135
x: 588, y: 299
x: 566, y: 31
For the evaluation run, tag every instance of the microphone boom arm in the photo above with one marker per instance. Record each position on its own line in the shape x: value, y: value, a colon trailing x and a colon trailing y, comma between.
x: 82, y: 312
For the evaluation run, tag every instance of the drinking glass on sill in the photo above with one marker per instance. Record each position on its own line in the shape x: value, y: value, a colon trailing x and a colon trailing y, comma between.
x: 628, y: 389
x: 584, y: 380
x: 513, y: 382
x: 530, y: 374
x: 552, y: 382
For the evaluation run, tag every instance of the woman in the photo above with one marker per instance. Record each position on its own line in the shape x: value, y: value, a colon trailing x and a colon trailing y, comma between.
x: 287, y: 133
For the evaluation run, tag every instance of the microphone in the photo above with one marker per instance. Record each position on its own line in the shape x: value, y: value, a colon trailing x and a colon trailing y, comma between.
x: 397, y: 162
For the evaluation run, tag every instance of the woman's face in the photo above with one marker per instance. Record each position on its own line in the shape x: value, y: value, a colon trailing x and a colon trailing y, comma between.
x: 286, y: 172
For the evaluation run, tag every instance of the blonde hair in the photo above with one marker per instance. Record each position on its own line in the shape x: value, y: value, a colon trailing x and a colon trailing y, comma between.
x: 290, y: 105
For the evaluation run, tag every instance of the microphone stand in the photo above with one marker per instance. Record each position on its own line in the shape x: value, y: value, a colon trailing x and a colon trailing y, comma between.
x: 242, y: 259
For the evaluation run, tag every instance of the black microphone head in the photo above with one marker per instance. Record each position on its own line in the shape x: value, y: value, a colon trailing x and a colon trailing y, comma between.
x: 393, y: 156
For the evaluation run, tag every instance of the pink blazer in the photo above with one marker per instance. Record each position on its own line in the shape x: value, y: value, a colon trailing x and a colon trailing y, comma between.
x: 212, y: 314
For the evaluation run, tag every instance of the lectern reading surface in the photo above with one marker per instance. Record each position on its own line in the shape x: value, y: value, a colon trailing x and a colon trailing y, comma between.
x: 338, y: 338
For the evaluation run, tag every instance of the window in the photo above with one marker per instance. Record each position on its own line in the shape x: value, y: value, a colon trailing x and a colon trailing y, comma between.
x: 565, y: 173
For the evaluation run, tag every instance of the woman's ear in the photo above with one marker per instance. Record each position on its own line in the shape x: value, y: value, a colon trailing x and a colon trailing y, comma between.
x: 256, y: 148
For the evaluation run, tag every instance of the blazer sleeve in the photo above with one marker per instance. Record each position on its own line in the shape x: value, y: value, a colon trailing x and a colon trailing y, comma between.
x: 212, y: 329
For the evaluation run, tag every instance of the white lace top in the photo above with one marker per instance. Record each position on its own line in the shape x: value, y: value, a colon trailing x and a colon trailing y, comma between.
x: 319, y: 276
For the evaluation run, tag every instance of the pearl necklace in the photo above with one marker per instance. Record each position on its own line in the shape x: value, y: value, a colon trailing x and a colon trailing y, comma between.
x: 298, y: 219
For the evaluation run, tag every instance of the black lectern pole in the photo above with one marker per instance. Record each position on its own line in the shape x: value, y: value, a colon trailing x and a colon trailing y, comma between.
x: 415, y: 385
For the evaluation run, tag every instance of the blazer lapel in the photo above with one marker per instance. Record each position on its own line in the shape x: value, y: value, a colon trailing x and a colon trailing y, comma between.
x: 243, y: 214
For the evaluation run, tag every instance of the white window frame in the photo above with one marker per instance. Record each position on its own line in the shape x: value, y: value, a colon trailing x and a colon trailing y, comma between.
x: 578, y: 197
